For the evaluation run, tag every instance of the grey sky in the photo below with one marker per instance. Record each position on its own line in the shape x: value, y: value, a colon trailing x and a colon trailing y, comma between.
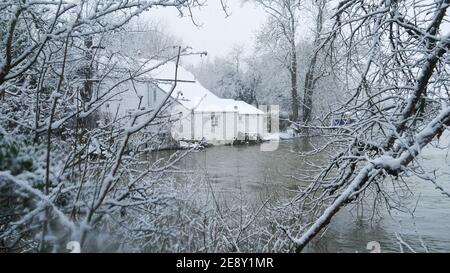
x: 217, y: 35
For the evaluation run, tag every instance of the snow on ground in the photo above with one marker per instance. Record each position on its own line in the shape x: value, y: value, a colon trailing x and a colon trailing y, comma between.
x: 285, y: 135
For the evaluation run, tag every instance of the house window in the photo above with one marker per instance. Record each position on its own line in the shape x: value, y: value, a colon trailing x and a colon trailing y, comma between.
x: 154, y: 96
x: 214, y: 121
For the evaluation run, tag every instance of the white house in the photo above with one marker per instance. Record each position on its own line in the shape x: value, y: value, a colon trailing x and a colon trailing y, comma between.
x: 200, y: 115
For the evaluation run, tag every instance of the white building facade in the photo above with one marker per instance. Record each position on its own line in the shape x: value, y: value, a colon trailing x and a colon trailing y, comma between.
x: 198, y: 114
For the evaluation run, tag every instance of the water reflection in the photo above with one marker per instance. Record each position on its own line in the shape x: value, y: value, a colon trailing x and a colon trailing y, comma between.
x: 258, y: 175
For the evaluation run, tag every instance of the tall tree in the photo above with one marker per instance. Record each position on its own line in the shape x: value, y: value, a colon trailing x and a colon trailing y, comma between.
x: 280, y: 36
x: 310, y: 76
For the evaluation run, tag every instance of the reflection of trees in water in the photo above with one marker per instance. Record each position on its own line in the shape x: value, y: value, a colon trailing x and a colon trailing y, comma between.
x: 246, y: 176
x: 351, y: 233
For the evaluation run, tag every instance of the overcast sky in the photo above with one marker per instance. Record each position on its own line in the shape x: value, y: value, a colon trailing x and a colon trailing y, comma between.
x: 217, y: 35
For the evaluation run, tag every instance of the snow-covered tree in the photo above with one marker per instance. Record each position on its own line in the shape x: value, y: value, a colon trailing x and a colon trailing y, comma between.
x: 279, y: 36
x: 66, y: 172
x: 396, y: 63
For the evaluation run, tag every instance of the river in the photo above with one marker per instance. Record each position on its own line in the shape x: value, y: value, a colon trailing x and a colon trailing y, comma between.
x: 259, y: 175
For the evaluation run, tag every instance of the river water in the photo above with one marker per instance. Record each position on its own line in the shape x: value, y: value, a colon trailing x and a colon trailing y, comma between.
x: 258, y: 175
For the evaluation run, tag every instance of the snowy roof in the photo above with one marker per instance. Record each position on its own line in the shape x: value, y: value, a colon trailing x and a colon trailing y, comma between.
x: 245, y: 108
x: 191, y: 94
x: 188, y: 92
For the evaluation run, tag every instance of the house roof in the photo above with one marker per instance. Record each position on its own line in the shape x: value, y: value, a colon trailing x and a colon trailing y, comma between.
x: 190, y: 93
x: 245, y: 108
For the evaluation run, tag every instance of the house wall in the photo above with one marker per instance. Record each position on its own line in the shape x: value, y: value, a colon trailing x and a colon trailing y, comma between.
x: 252, y: 124
x: 199, y: 125
x: 221, y: 132
x: 231, y: 123
x: 192, y: 125
x: 128, y: 101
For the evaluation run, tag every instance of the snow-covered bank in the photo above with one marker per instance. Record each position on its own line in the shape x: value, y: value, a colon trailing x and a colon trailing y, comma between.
x: 285, y: 135
x: 184, y: 145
